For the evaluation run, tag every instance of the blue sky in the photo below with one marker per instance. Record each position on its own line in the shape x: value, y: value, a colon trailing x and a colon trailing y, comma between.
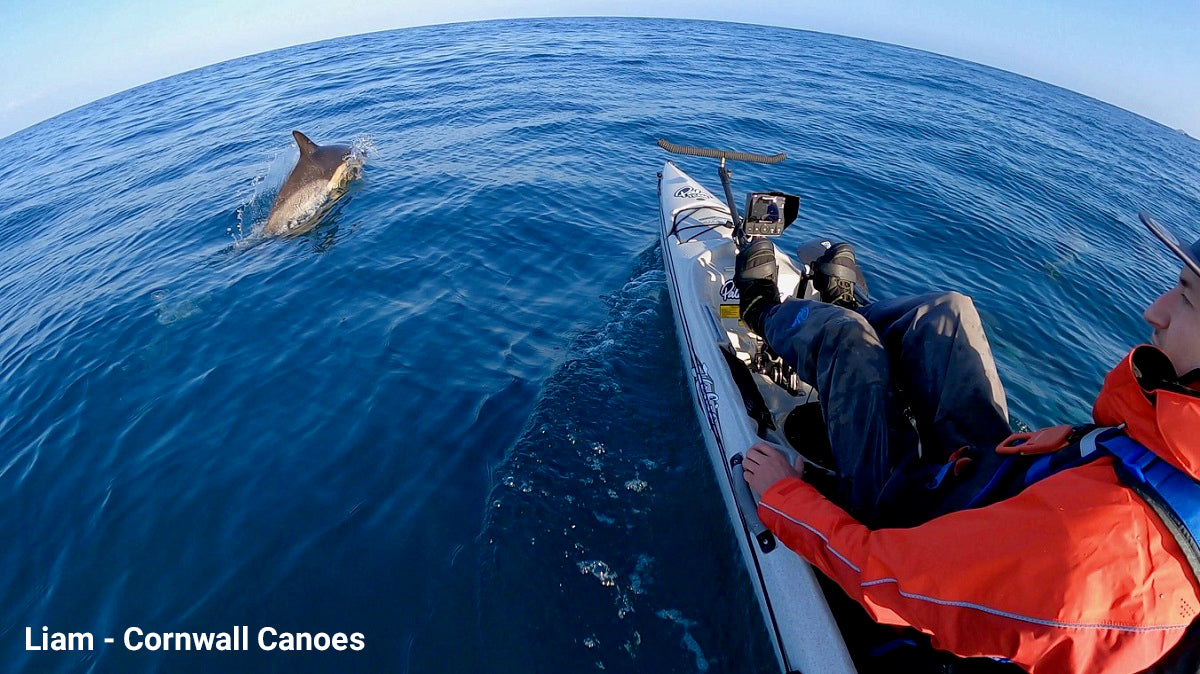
x: 1141, y: 56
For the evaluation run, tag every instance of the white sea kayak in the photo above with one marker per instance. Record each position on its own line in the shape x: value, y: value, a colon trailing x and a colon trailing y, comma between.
x: 698, y: 245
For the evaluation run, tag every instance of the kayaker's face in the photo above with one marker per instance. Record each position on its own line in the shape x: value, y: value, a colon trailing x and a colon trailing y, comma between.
x: 1175, y: 317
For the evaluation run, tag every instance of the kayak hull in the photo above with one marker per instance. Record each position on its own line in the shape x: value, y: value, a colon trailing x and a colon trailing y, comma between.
x: 699, y: 254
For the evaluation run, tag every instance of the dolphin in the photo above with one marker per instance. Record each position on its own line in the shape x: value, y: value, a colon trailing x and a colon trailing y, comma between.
x: 321, y: 176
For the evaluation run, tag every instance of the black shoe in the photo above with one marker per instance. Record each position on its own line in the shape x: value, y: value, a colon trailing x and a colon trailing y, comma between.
x: 754, y: 275
x: 836, y: 275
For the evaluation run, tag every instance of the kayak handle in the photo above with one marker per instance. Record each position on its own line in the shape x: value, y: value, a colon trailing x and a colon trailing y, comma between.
x: 749, y: 507
x: 720, y: 154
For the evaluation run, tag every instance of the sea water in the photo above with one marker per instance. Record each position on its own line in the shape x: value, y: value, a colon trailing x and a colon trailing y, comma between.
x: 453, y: 418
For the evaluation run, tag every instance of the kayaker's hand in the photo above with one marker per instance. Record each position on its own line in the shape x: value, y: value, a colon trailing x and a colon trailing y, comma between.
x: 764, y: 465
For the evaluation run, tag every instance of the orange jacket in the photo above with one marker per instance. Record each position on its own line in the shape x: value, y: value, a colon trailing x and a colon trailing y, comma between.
x: 1073, y: 574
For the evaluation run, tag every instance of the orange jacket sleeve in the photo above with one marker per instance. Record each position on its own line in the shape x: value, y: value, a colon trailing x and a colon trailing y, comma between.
x: 1020, y: 579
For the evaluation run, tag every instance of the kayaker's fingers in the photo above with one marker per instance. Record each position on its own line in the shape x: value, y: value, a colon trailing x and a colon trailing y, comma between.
x: 760, y: 451
x: 764, y: 465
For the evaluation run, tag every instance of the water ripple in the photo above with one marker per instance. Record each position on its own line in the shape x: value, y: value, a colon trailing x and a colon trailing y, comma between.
x: 454, y: 417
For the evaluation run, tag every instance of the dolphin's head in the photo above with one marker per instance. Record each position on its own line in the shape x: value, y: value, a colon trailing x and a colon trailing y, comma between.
x: 322, y: 175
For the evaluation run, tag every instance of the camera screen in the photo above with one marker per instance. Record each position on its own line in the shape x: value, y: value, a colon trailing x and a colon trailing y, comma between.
x: 765, y: 208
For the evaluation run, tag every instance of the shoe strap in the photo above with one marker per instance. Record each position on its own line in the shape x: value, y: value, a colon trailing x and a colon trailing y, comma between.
x: 838, y: 271
x: 841, y: 293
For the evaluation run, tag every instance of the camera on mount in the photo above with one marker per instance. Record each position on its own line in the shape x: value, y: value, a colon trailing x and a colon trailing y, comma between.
x: 769, y: 213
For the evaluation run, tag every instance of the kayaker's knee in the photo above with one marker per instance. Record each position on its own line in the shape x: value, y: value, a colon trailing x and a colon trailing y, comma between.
x: 955, y: 303
x: 849, y: 330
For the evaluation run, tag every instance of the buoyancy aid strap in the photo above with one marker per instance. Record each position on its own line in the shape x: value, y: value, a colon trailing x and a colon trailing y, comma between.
x: 1043, y: 441
x: 1172, y: 494
x: 1087, y: 444
x: 1053, y: 450
x: 1081, y: 446
x: 1027, y: 457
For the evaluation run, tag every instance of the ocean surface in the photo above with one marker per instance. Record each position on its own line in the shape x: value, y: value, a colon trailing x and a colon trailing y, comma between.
x: 453, y: 418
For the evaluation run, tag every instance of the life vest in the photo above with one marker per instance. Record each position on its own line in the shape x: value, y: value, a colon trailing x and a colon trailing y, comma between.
x: 1171, y: 493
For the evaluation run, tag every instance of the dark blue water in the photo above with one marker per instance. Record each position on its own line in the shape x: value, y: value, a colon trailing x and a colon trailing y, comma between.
x: 454, y: 418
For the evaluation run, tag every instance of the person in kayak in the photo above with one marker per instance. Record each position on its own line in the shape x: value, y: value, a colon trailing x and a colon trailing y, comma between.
x: 1055, y: 550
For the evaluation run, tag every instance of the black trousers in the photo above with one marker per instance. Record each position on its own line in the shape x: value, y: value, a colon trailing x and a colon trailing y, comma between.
x: 924, y: 358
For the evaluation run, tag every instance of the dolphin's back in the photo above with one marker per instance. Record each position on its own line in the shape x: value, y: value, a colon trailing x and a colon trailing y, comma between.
x: 317, y: 177
x: 317, y: 162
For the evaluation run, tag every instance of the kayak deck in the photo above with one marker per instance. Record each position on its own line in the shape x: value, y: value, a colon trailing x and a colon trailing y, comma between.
x: 724, y: 363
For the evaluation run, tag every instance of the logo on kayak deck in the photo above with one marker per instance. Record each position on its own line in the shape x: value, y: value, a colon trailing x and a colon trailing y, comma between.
x: 706, y: 395
x: 691, y: 192
x: 729, y: 292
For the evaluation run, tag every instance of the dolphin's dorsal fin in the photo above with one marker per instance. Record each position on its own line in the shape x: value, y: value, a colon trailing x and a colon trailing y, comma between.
x: 306, y: 145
